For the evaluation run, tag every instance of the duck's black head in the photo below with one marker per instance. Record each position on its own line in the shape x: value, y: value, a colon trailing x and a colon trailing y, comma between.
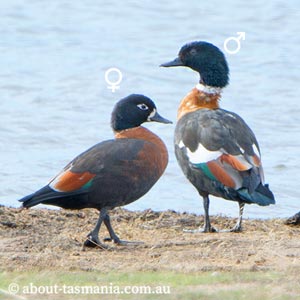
x: 206, y: 59
x: 134, y: 110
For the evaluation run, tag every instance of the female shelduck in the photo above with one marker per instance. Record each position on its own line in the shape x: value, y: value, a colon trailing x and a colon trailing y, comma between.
x: 114, y: 172
x: 215, y: 148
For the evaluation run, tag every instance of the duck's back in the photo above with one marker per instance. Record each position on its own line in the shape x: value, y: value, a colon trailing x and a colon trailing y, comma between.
x: 131, y: 167
x: 110, y: 174
x: 220, y: 155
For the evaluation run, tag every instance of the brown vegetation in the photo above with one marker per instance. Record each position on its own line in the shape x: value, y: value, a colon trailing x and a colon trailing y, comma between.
x: 53, y: 239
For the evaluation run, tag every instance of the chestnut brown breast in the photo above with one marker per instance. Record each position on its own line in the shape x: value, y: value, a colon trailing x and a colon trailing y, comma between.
x: 158, y: 155
x: 195, y: 100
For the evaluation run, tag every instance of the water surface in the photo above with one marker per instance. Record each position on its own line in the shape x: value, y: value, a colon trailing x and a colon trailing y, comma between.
x: 55, y: 102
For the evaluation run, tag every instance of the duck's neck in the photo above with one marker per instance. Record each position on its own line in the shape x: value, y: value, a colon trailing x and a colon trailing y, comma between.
x: 202, y: 96
x: 140, y: 133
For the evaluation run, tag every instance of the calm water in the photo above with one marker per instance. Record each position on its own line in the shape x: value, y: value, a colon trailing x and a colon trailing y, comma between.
x: 55, y: 102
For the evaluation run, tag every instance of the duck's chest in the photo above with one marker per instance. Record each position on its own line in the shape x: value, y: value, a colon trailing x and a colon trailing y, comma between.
x: 196, y: 114
x: 154, y: 150
x: 195, y: 100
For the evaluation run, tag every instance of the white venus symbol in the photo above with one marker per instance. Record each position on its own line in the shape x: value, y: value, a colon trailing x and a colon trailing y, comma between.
x: 113, y: 85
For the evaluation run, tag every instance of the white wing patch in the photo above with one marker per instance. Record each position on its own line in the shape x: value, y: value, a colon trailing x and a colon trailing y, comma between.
x: 256, y: 151
x: 201, y: 155
x: 242, y: 150
x: 181, y: 144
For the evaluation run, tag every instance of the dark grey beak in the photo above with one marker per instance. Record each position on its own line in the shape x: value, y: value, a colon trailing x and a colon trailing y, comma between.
x: 177, y: 62
x: 158, y: 118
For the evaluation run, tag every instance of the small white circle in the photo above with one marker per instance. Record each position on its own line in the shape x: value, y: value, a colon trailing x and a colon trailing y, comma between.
x: 237, y: 40
x: 142, y: 106
x: 113, y: 85
x: 13, y: 288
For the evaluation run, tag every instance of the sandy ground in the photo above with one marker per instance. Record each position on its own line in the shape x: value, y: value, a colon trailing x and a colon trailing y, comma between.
x: 53, y: 239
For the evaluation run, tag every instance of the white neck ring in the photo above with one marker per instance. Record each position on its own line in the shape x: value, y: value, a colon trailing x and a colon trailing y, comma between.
x: 208, y: 89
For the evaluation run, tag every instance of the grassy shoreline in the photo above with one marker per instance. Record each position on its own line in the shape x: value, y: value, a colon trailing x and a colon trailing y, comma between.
x: 44, y: 247
x: 205, y: 285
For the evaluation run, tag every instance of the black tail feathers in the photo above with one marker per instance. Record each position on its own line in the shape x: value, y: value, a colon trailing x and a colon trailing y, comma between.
x: 261, y: 196
x: 73, y: 200
x: 36, y: 198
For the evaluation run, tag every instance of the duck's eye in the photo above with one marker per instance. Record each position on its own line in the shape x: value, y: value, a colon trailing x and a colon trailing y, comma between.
x: 143, y: 106
x: 193, y: 51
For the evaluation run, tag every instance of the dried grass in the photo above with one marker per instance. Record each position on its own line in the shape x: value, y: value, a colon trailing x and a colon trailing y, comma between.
x: 53, y: 239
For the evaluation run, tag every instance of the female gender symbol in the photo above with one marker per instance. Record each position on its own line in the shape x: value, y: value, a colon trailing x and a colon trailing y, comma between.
x: 113, y: 86
x: 241, y: 35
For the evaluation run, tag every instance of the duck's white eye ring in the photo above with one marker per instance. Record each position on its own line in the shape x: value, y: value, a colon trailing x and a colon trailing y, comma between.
x: 193, y: 51
x: 143, y: 106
